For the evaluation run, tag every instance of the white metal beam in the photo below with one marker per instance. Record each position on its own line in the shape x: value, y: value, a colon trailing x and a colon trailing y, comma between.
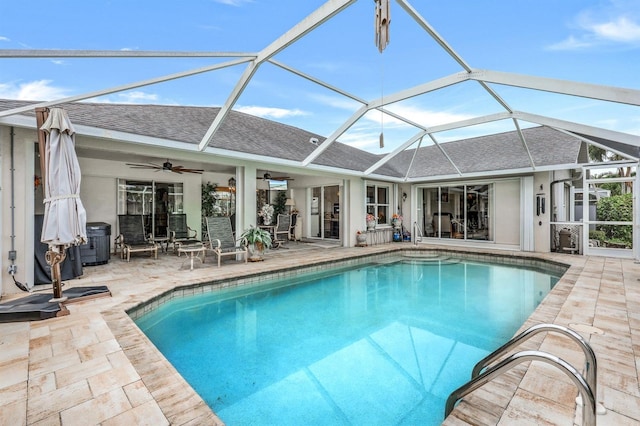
x: 565, y: 87
x: 121, y: 88
x: 315, y: 19
x: 335, y: 135
x: 598, y: 144
x: 344, y: 93
x: 420, y: 89
x: 395, y: 152
x: 524, y: 142
x: 470, y: 122
x: 70, y: 53
x: 434, y: 34
x: 447, y: 48
x: 620, y: 137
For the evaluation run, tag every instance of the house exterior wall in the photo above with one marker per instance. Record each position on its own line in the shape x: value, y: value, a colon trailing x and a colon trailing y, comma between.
x: 542, y: 228
x: 23, y: 202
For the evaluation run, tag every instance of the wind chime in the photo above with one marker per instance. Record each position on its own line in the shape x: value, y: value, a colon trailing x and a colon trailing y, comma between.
x: 382, y: 21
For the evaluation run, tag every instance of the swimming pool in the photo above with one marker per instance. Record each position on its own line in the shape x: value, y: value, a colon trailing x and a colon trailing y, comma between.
x: 375, y: 344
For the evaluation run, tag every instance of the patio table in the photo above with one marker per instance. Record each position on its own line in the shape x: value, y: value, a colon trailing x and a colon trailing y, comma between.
x: 193, y: 252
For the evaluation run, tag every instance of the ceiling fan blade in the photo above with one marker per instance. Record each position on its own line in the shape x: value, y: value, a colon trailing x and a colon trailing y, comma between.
x: 180, y: 169
x: 144, y: 166
x: 281, y: 178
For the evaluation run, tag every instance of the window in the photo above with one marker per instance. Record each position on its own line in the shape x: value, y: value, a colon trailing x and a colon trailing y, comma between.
x: 378, y: 203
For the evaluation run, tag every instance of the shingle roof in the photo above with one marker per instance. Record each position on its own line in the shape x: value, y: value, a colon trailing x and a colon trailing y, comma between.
x: 245, y: 133
x: 239, y: 132
x: 502, y: 151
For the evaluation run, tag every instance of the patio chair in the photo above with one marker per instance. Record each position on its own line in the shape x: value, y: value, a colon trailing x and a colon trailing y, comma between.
x: 283, y: 228
x: 221, y: 239
x: 132, y: 238
x: 179, y: 233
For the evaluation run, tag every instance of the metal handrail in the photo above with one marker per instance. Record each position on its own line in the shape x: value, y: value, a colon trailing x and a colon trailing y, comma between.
x: 591, y: 367
x: 416, y: 237
x: 589, y: 401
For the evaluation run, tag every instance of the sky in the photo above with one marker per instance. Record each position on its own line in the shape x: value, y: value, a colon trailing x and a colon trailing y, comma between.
x: 590, y: 41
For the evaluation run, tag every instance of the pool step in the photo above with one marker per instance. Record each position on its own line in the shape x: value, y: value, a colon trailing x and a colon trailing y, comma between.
x: 431, y: 260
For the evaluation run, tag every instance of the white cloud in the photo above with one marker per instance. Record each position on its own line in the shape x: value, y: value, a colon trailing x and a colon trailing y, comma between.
x: 136, y: 97
x: 616, y: 22
x: 4, y: 38
x: 622, y: 30
x: 268, y: 112
x: 40, y: 90
x: 571, y: 43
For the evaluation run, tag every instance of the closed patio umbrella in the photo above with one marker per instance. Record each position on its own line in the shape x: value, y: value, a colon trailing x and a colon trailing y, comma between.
x: 65, y: 218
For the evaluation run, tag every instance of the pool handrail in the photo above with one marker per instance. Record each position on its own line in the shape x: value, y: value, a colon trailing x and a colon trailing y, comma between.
x: 591, y: 367
x: 417, y: 236
x: 588, y: 413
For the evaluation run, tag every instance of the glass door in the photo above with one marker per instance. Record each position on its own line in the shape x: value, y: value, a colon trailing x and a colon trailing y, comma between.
x: 152, y: 200
x: 325, y: 212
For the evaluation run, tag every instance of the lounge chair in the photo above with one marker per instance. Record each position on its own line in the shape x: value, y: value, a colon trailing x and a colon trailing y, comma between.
x: 132, y: 238
x: 179, y: 233
x: 282, y: 230
x: 221, y: 239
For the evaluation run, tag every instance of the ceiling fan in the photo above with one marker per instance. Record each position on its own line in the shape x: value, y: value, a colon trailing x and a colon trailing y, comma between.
x: 267, y: 176
x: 165, y: 167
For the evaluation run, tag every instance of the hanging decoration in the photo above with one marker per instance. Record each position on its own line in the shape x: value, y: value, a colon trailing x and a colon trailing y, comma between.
x: 382, y: 21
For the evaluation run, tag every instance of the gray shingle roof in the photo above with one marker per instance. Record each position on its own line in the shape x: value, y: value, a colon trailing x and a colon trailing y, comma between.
x: 245, y: 133
x: 502, y: 151
x: 239, y: 132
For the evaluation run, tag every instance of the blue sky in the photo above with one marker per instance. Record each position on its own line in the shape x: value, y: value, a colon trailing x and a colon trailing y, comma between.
x: 592, y: 41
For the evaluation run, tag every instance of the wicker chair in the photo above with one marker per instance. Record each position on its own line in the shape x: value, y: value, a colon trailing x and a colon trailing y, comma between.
x: 221, y: 239
x: 132, y: 238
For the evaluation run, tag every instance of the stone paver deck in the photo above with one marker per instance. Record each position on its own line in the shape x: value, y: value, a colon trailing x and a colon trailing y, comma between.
x: 94, y: 366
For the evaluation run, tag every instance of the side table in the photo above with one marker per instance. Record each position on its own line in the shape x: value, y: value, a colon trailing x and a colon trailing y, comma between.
x: 193, y: 252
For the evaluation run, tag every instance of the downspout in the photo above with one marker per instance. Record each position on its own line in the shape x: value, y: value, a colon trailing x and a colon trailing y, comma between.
x: 570, y: 179
x: 13, y: 268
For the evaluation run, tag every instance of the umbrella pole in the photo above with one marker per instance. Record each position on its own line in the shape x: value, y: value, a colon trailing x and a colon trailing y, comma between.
x: 54, y: 258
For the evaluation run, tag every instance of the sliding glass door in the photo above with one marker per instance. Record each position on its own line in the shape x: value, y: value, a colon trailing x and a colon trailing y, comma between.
x: 325, y: 212
x: 456, y: 211
x: 152, y: 200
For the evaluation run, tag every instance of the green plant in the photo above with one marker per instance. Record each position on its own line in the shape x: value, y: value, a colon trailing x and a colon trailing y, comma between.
x: 597, y: 235
x: 279, y: 205
x: 617, y: 208
x: 257, y: 236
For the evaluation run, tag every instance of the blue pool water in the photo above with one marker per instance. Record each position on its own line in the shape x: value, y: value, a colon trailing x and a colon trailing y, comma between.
x: 375, y: 345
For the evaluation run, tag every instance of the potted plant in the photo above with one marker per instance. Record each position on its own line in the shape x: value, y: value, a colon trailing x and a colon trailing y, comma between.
x: 257, y: 240
x: 396, y: 220
x: 361, y: 238
x: 371, y: 221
